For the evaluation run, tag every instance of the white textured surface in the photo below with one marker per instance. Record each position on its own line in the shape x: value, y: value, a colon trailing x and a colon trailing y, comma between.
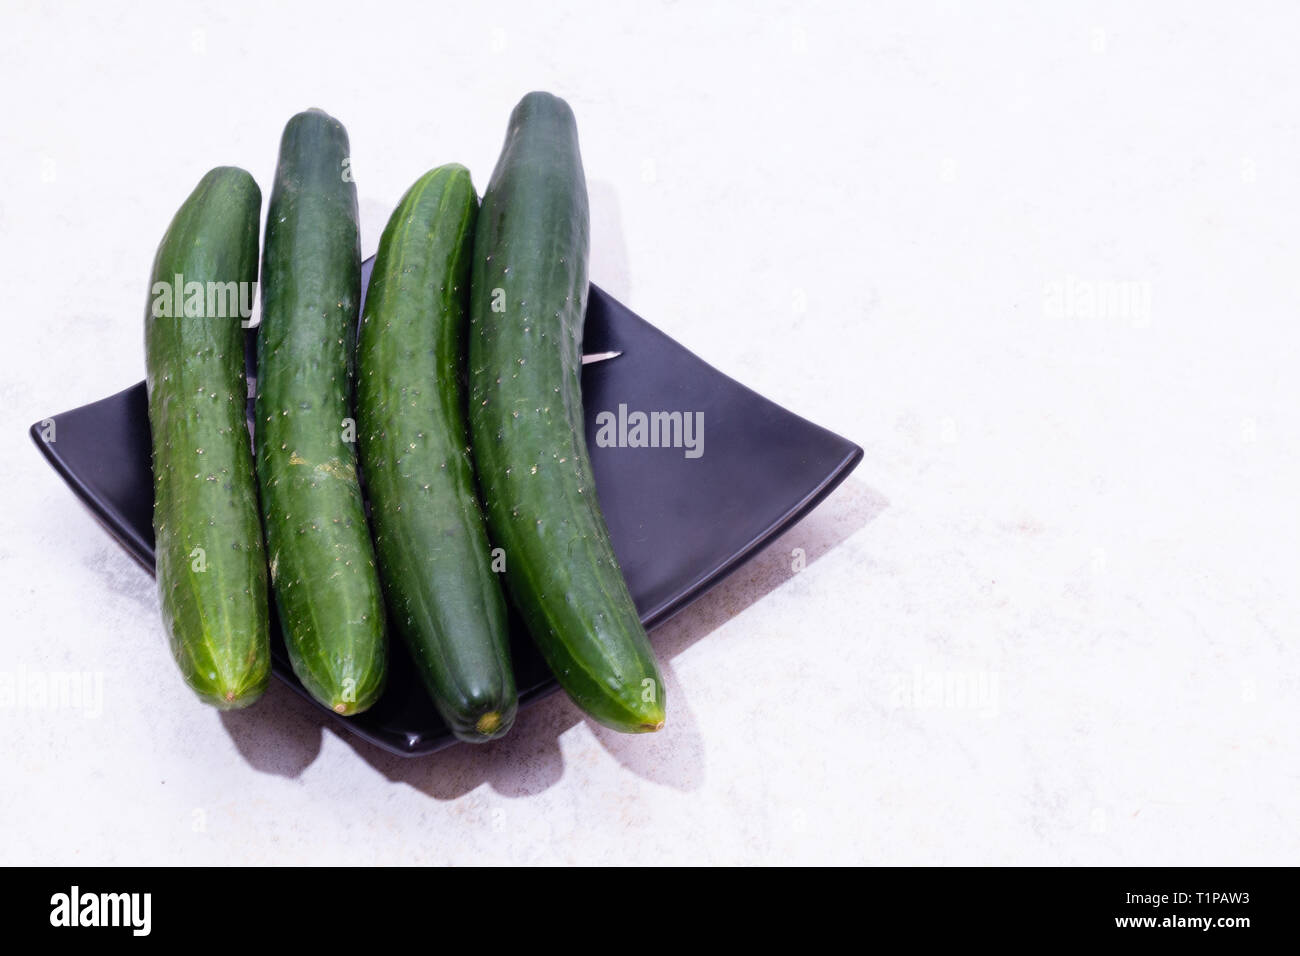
x: 1086, y: 522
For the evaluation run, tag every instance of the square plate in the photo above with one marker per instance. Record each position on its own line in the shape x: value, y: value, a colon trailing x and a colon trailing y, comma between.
x: 679, y: 525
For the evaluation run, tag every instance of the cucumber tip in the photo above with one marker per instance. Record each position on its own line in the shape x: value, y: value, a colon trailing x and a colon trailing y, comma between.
x: 488, y: 723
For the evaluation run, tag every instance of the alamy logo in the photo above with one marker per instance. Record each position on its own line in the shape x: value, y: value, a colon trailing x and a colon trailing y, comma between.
x: 1075, y: 298
x: 946, y: 690
x: 53, y: 690
x: 75, y: 908
x: 653, y: 430
x: 202, y: 300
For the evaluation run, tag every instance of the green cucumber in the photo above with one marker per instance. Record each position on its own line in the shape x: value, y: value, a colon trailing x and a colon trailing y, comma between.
x: 322, y: 563
x: 211, y: 565
x: 434, y: 556
x: 527, y: 308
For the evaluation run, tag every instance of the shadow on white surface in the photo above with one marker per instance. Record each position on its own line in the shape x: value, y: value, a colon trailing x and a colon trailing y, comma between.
x: 608, y: 265
x: 372, y: 217
x: 282, y: 734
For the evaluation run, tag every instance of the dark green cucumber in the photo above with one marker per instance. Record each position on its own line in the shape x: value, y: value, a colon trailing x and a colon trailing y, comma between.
x: 322, y: 563
x: 433, y: 549
x: 211, y: 566
x: 528, y: 304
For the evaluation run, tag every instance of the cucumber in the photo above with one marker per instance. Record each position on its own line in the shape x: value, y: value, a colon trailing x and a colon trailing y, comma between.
x: 443, y: 596
x: 528, y: 304
x: 322, y: 563
x: 211, y: 566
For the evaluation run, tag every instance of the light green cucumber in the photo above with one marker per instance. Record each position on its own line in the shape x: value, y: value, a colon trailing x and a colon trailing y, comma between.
x: 322, y: 563
x: 211, y: 565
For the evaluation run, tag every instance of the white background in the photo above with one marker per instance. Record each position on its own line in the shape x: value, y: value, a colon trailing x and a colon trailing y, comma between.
x: 1052, y: 616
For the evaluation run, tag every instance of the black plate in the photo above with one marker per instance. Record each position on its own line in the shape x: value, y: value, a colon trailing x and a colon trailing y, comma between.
x: 679, y: 525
